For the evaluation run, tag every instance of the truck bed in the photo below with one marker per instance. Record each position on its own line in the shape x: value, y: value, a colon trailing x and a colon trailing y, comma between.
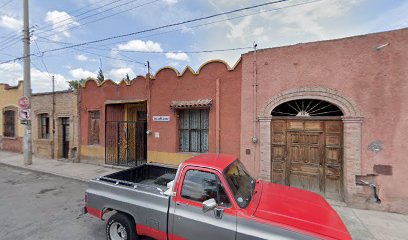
x: 153, y: 175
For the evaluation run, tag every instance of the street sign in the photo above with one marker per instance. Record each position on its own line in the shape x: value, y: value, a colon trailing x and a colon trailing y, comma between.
x: 24, y: 122
x: 161, y: 118
x: 24, y: 114
x: 24, y: 102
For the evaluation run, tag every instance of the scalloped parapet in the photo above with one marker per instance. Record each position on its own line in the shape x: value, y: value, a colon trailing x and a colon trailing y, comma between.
x: 6, y: 86
x: 123, y: 81
x: 188, y: 68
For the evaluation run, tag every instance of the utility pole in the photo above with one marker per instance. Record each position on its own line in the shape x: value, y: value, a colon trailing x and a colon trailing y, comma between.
x: 27, y: 148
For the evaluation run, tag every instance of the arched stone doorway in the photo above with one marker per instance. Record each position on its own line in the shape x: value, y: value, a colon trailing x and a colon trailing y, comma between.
x: 306, y: 146
x: 345, y: 126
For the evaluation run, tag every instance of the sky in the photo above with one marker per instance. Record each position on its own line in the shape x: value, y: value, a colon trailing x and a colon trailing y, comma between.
x: 58, y: 24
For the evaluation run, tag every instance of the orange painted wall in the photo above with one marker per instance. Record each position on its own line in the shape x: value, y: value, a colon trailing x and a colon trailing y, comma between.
x: 168, y: 86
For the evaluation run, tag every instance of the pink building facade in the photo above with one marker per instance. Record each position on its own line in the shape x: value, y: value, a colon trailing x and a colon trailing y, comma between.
x: 330, y: 117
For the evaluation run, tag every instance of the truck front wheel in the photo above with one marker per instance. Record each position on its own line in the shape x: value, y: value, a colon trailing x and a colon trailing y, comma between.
x: 120, y: 227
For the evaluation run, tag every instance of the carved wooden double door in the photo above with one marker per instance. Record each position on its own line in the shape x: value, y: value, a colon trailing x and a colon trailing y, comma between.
x: 307, y: 154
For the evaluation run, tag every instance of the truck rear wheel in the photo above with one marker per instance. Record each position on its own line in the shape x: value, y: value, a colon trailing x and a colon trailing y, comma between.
x: 120, y: 227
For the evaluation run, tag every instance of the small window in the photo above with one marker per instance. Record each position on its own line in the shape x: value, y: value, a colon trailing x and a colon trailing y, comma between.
x: 44, y: 126
x: 94, y: 127
x: 201, y: 186
x: 193, y: 130
x: 9, y: 118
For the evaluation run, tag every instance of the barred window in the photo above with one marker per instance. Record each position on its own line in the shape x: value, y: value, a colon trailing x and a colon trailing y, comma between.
x: 193, y: 129
x: 9, y: 123
x: 94, y: 127
x: 44, y: 126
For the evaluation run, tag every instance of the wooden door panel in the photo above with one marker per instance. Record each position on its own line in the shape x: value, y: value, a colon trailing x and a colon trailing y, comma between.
x: 278, y: 149
x: 333, y: 159
x: 314, y: 126
x: 307, y: 154
x: 279, y: 138
x: 307, y: 182
x: 295, y: 125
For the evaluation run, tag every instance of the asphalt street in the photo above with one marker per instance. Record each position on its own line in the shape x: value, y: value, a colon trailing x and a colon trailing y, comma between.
x: 40, y: 206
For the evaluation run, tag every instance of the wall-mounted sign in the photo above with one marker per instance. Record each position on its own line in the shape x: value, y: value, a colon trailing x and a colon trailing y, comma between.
x: 161, y: 118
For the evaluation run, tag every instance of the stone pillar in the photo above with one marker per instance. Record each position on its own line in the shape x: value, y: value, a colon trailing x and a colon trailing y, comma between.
x: 265, y: 148
x: 351, y: 156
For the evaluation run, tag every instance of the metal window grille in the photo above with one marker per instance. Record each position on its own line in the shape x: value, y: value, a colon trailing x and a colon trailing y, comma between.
x: 9, y: 117
x: 95, y: 127
x: 44, y: 126
x: 193, y: 129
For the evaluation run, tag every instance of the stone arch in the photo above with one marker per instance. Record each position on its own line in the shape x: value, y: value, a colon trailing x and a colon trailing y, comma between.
x: 352, y: 121
x: 347, y: 106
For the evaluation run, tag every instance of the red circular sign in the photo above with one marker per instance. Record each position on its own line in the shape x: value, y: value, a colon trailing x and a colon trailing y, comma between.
x: 24, y: 102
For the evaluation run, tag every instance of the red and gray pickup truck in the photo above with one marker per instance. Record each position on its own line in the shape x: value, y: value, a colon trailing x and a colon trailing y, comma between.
x: 210, y: 196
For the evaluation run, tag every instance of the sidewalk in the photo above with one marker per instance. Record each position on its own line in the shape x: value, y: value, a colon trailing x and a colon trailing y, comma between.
x: 78, y: 171
x: 362, y: 224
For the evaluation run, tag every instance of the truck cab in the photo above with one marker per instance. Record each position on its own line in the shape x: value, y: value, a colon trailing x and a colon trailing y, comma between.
x: 214, y: 197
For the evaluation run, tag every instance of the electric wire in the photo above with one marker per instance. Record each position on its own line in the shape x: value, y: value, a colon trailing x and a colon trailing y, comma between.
x: 102, y: 18
x: 5, y: 4
x: 156, y: 28
x: 192, y: 27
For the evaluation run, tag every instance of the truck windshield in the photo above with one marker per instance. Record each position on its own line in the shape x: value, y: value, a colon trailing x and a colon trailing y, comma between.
x: 240, y: 182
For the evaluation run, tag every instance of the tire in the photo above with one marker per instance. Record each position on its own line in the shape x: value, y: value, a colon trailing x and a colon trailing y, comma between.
x: 121, y: 227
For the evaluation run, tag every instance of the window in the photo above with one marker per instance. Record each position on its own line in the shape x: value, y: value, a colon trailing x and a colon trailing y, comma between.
x: 94, y: 129
x: 201, y: 186
x: 193, y: 130
x: 44, y: 126
x: 9, y: 118
x: 240, y: 182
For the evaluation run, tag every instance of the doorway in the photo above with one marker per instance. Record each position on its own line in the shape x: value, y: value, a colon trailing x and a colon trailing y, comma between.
x: 306, y: 147
x: 65, y: 137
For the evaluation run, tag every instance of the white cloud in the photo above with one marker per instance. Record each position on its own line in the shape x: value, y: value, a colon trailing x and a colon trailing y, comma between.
x: 170, y: 2
x: 60, y: 22
x: 80, y: 73
x: 259, y: 31
x: 11, y: 23
x: 40, y: 81
x: 81, y: 57
x: 139, y: 45
x: 118, y: 74
x: 238, y: 30
x: 179, y: 56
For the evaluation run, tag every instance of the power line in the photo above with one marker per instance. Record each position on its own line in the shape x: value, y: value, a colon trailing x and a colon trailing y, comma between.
x: 162, y: 52
x: 102, y: 18
x: 191, y: 27
x: 168, y: 25
x: 42, y: 58
x: 161, y: 27
x: 5, y: 4
x: 222, y: 20
x: 85, y: 17
x: 19, y: 36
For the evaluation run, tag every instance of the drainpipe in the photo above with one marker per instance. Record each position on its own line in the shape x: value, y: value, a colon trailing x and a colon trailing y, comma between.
x: 217, y: 116
x: 255, y: 92
x: 53, y: 118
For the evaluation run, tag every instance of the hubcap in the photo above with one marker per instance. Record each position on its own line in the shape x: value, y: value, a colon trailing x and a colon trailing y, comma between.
x: 117, y: 231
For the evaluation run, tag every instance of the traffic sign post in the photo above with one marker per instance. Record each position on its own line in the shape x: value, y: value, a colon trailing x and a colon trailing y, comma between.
x: 24, y: 114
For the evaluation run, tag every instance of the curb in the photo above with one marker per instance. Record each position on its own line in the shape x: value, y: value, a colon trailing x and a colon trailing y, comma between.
x: 49, y: 173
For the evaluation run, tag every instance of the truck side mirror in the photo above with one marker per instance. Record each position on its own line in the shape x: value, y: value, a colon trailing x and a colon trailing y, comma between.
x: 209, y: 205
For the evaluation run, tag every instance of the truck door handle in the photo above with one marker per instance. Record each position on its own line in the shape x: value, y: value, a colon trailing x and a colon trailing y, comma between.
x: 181, y: 204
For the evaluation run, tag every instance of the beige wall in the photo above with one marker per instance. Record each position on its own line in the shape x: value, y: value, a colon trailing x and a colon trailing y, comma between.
x: 9, y: 96
x: 66, y: 105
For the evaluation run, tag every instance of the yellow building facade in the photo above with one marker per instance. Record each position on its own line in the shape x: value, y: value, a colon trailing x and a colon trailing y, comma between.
x: 11, y: 131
